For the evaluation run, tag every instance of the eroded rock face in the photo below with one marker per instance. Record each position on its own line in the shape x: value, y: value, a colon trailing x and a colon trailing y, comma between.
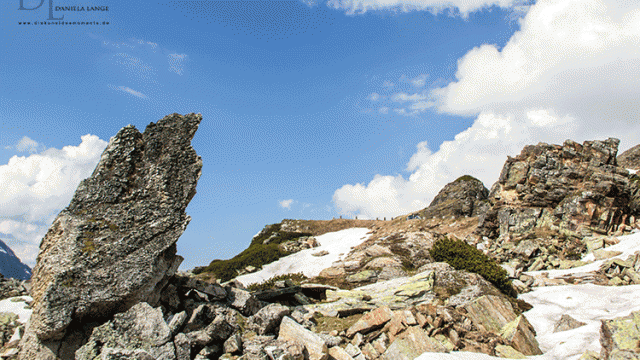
x: 115, y: 244
x: 571, y: 188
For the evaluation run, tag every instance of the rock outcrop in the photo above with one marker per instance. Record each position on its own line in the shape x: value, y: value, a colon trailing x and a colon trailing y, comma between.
x: 114, y: 246
x: 466, y: 196
x: 10, y: 264
x: 630, y: 159
x: 573, y: 189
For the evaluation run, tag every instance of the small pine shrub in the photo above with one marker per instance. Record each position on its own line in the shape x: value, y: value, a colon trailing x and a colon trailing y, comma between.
x: 297, y: 278
x: 463, y: 256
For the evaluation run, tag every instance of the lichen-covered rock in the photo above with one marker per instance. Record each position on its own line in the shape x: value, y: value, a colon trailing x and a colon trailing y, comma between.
x: 620, y: 338
x: 411, y: 344
x: 141, y: 328
x: 115, y: 244
x: 522, y: 336
x: 570, y: 188
x: 466, y: 196
x: 491, y: 313
x: 292, y: 331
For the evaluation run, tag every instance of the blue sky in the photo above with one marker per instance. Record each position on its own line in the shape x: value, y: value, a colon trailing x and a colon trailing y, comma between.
x: 311, y: 109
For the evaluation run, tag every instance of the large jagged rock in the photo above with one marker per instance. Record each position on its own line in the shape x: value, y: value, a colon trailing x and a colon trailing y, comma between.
x: 115, y: 244
x: 571, y: 188
x: 10, y: 264
x: 465, y: 196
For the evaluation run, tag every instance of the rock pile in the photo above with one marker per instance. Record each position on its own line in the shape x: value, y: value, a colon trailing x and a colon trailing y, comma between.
x: 114, y: 246
x: 12, y: 287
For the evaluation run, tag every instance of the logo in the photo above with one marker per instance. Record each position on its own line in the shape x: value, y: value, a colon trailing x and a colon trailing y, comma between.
x: 63, y: 8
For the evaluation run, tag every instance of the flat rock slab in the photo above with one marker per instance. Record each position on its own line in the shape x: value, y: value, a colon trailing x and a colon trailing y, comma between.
x: 294, y: 332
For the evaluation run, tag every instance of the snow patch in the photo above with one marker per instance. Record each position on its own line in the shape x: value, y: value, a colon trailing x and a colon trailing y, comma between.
x: 337, y: 244
x: 17, y: 307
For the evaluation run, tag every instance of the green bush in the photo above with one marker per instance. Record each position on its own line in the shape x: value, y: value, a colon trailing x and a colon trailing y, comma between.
x: 297, y: 278
x: 463, y: 256
x: 257, y: 254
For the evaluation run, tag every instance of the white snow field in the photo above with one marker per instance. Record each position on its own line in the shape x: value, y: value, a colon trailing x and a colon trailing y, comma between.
x: 18, y: 306
x: 585, y: 302
x: 338, y: 244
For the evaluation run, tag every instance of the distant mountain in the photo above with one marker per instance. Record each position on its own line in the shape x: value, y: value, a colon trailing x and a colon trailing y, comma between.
x: 11, y: 266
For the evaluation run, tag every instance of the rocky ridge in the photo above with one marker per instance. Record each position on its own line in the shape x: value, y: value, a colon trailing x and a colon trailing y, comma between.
x: 393, y: 302
x: 10, y: 264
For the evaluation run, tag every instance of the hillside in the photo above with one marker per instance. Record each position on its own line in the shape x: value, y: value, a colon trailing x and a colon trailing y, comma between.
x: 544, y: 265
x: 10, y: 264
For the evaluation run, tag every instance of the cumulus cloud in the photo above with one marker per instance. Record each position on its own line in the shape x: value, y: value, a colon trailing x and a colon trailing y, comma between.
x: 37, y: 187
x: 26, y: 144
x: 572, y: 71
x: 463, y: 6
x: 286, y: 204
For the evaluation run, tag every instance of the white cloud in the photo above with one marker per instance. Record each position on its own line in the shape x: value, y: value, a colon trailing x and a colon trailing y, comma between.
x: 27, y: 144
x: 176, y: 63
x: 420, y: 157
x: 383, y: 110
x: 579, y: 57
x: 37, y: 187
x: 135, y: 66
x: 374, y: 97
x: 463, y: 6
x: 286, y: 204
x: 403, y: 97
x: 388, y: 84
x: 128, y: 90
x: 418, y: 81
x: 571, y: 72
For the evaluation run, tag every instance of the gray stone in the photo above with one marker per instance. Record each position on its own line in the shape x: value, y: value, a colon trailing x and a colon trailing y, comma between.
x: 233, y: 344
x: 176, y: 322
x: 115, y: 244
x: 183, y: 347
x: 267, y: 319
x: 411, y: 344
x: 243, y: 301
x: 566, y: 322
x: 294, y: 332
x: 139, y: 328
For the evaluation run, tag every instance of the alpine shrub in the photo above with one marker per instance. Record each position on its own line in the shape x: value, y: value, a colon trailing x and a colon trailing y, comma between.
x: 463, y: 256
